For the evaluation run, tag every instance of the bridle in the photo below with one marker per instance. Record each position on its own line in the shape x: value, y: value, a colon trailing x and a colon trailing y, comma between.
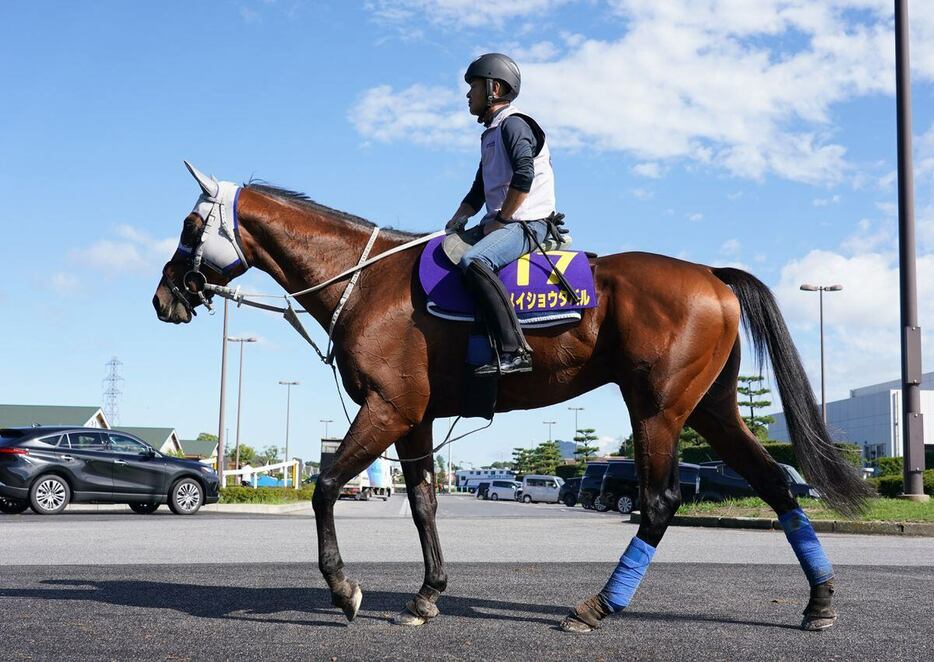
x: 217, y: 246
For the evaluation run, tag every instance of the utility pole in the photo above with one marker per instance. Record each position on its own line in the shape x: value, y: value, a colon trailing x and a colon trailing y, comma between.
x: 288, y: 401
x: 239, y: 394
x: 221, y: 428
x: 575, y: 410
x: 913, y: 428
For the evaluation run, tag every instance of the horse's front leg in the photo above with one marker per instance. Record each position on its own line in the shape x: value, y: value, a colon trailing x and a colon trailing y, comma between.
x: 376, y: 426
x: 419, y: 481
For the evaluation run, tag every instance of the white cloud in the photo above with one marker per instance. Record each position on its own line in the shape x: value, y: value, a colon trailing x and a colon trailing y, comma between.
x: 825, y: 202
x: 695, y: 217
x: 419, y: 114
x: 740, y: 86
x: 649, y: 169
x: 460, y: 14
x: 642, y: 194
x: 730, y: 247
x: 62, y: 283
x: 133, y: 251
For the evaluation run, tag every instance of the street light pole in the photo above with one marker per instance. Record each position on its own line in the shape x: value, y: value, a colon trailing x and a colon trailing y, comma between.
x: 325, y: 421
x: 221, y: 429
x: 821, y: 289
x: 913, y: 428
x: 239, y: 395
x: 288, y: 402
x: 575, y: 410
x: 549, y: 424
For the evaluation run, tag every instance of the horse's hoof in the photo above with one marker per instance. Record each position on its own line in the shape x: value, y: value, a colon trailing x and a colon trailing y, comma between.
x: 405, y: 617
x: 350, y: 605
x: 572, y: 624
x: 816, y: 623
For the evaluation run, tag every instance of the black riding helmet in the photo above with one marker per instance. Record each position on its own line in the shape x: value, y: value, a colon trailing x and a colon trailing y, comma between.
x: 496, y: 66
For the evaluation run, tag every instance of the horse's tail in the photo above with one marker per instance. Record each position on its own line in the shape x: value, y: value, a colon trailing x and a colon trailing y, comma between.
x: 823, y: 464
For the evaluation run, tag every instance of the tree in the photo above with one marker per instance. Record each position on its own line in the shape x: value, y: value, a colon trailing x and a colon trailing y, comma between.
x: 270, y: 455
x: 750, y: 388
x: 247, y: 454
x: 441, y: 470
x: 546, y: 458
x: 501, y: 465
x: 206, y: 436
x: 689, y: 437
x: 626, y: 447
x: 522, y: 461
x: 584, y: 450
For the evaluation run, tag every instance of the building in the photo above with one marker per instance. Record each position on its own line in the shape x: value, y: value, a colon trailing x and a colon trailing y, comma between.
x: 871, y: 418
x: 462, y: 476
x: 203, y: 451
x: 12, y: 416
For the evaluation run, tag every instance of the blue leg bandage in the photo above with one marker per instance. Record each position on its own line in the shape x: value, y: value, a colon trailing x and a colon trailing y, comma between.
x: 807, y: 547
x: 628, y: 574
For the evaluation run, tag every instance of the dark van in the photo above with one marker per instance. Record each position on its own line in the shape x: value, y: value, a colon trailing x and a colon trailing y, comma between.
x: 720, y: 481
x: 568, y: 492
x: 590, y: 484
x: 620, y: 489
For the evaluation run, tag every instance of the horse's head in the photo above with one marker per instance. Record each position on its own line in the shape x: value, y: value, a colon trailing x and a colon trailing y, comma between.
x: 209, y: 251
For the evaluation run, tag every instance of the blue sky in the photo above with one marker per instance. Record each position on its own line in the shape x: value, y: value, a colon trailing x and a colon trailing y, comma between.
x: 761, y: 137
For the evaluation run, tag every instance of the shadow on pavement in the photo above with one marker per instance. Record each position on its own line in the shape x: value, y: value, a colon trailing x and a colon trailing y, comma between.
x: 252, y: 604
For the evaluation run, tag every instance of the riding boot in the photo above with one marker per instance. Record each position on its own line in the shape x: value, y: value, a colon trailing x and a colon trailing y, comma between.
x: 500, y: 318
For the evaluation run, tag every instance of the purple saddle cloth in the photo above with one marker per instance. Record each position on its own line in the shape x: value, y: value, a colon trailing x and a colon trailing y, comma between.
x: 536, y: 294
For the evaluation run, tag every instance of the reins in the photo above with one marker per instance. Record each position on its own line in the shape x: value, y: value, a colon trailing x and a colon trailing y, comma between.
x: 291, y: 316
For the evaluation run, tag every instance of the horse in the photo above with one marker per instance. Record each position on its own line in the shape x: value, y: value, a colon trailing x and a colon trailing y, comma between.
x: 664, y: 330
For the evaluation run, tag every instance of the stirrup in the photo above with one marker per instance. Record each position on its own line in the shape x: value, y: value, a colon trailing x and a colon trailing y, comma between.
x: 509, y: 363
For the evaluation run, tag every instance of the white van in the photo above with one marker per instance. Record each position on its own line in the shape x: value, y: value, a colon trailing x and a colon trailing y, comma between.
x: 540, y: 488
x: 502, y: 489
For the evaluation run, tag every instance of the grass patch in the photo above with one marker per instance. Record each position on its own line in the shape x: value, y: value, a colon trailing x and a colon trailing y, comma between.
x: 885, y: 510
x: 270, y: 495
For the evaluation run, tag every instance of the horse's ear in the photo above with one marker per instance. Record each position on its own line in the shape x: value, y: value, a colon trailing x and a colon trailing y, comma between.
x: 208, y: 184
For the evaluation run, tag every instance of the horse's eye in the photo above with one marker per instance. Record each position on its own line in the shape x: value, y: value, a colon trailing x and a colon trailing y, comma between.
x: 189, y: 233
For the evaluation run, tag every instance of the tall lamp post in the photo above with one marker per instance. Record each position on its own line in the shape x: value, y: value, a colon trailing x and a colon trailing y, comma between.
x: 575, y: 410
x: 325, y: 421
x: 822, y: 288
x: 913, y: 427
x: 288, y: 402
x: 239, y: 394
x: 549, y: 424
x: 221, y: 429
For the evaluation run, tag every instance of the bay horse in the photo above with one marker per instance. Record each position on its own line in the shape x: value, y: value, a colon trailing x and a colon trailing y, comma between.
x: 664, y: 330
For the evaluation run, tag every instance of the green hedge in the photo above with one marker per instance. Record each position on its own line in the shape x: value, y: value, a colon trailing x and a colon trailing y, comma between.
x: 783, y: 453
x: 265, y: 494
x: 892, y: 485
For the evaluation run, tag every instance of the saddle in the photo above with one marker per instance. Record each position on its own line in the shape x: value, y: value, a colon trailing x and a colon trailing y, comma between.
x: 537, y: 295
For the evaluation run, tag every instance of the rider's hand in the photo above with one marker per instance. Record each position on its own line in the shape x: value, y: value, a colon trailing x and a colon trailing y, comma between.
x: 457, y: 223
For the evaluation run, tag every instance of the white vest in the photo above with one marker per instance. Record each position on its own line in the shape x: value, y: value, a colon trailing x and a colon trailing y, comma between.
x: 497, y: 173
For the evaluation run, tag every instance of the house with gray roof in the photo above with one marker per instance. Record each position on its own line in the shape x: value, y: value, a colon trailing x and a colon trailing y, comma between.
x: 31, y: 415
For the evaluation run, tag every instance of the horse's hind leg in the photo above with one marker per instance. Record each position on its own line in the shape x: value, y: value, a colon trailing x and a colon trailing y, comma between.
x: 655, y: 439
x: 718, y: 420
x: 376, y: 426
x: 419, y: 480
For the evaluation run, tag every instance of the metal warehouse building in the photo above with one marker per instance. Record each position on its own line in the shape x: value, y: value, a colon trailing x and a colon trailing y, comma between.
x: 871, y: 417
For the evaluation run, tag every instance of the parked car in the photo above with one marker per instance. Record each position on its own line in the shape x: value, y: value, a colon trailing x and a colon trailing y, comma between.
x: 537, y: 487
x: 482, y: 488
x: 502, y: 489
x: 568, y: 492
x: 620, y: 487
x: 46, y: 468
x: 590, y: 484
x: 718, y: 481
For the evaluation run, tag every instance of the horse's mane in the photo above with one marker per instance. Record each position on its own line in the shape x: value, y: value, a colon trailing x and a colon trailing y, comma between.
x: 302, y: 200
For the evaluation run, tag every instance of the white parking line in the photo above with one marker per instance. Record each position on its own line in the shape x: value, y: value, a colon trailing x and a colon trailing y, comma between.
x: 404, y: 510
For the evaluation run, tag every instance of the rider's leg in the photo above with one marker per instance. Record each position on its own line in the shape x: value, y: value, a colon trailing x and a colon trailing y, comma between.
x: 479, y: 265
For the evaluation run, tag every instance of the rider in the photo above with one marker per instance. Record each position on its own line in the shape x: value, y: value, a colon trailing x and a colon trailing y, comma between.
x: 516, y: 181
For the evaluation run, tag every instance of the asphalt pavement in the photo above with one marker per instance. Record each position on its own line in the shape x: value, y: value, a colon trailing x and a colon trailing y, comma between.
x: 118, y: 586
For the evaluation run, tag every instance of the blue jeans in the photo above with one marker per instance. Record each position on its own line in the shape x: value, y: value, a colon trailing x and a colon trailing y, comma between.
x: 504, y: 245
